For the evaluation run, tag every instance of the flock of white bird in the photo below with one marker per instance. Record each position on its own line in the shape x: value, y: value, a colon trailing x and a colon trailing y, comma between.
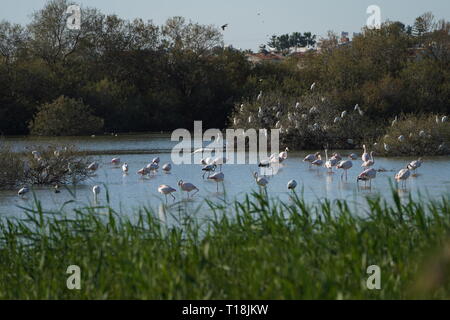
x: 210, y: 166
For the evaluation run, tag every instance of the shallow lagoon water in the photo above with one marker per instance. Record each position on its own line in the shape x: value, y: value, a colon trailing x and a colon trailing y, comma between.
x: 129, y: 192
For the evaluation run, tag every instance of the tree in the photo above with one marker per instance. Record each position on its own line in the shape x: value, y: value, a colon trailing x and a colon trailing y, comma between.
x: 65, y: 116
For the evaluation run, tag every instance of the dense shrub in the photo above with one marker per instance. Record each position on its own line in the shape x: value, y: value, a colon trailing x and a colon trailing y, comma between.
x: 65, y: 117
x: 11, y: 167
x: 311, y: 121
x: 416, y: 135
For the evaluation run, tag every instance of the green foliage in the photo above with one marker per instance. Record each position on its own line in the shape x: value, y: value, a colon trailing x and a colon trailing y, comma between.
x: 254, y: 249
x: 295, y: 39
x: 65, y: 117
x: 11, y: 167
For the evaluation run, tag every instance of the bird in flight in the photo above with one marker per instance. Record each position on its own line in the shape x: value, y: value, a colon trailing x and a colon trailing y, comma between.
x: 224, y: 26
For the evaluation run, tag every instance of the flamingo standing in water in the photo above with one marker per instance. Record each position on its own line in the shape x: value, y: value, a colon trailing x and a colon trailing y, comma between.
x: 187, y: 187
x: 369, y: 162
x: 208, y: 169
x: 292, y: 185
x: 96, y: 191
x: 166, y: 190
x: 167, y: 167
x: 330, y: 163
x: 365, y: 156
x: 217, y: 177
x: 260, y: 181
x: 414, y: 165
x: 125, y: 168
x: 115, y: 161
x: 93, y: 166
x: 367, y: 175
x: 318, y: 162
x: 344, y: 165
x: 402, y: 176
x: 156, y: 160
x: 353, y: 156
x: 23, y: 191
x: 311, y: 157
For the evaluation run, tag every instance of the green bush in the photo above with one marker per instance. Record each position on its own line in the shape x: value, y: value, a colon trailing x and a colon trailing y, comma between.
x: 65, y: 117
x: 416, y: 135
x: 11, y: 167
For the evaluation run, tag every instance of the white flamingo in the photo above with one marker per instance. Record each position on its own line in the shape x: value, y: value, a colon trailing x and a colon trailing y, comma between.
x: 93, y: 166
x: 414, y: 165
x: 367, y: 175
x: 166, y: 190
x: 220, y: 161
x: 353, y: 156
x: 156, y: 160
x: 260, y: 181
x: 144, y: 171
x: 167, y: 167
x: 291, y: 185
x: 125, y: 168
x: 23, y: 191
x: 402, y: 176
x: 284, y: 154
x: 153, y: 167
x: 330, y: 163
x: 217, y: 177
x: 369, y: 162
x: 311, y: 157
x: 318, y: 162
x: 96, y: 191
x: 187, y: 187
x: 208, y: 169
x: 344, y: 165
x: 115, y: 161
x: 365, y: 156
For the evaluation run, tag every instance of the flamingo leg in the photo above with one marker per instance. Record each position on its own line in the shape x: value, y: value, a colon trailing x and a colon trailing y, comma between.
x: 173, y: 197
x: 197, y: 190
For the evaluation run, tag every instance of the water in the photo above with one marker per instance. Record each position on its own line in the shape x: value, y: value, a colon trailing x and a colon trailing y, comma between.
x: 128, y: 192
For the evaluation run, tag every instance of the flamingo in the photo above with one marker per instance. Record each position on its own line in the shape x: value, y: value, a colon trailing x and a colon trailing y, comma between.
x: 166, y: 190
x: 402, y: 176
x: 260, y: 181
x: 56, y: 188
x: 330, y: 163
x: 283, y: 155
x: 153, y: 167
x: 353, y: 156
x: 367, y: 175
x: 219, y: 161
x: 414, y: 165
x: 23, y: 191
x: 311, y: 157
x: 115, y: 161
x: 93, y: 166
x: 96, y: 191
x: 313, y: 86
x: 344, y: 165
x: 365, y: 156
x: 217, y: 177
x: 292, y: 185
x: 125, y: 168
x: 144, y: 171
x: 208, y: 169
x: 318, y: 162
x: 167, y: 167
x: 394, y: 121
x: 369, y: 162
x: 156, y: 160
x: 187, y: 187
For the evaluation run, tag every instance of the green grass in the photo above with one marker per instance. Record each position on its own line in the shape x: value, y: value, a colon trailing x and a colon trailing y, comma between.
x: 254, y: 249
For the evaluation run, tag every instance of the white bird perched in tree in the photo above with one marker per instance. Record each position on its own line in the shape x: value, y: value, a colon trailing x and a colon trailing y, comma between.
x: 93, y: 166
x: 356, y: 107
x: 242, y: 108
x: 369, y: 162
x: 167, y: 167
x: 402, y: 176
x: 250, y: 119
x: 217, y: 177
x: 313, y: 86
x: 259, y: 96
x: 444, y: 119
x: 156, y: 160
x: 260, y: 181
x: 387, y: 148
x: 23, y: 191
x: 297, y: 105
x: 365, y: 156
x: 115, y: 161
x: 337, y: 119
x: 96, y: 191
x: 353, y: 156
x: 414, y: 165
x: 422, y: 134
x: 401, y: 138
x: 166, y: 190
x: 313, y: 110
x: 344, y: 165
x: 343, y: 114
x: 291, y: 185
x: 367, y: 175
x: 125, y: 168
x: 188, y: 187
x: 208, y: 169
x: 394, y: 121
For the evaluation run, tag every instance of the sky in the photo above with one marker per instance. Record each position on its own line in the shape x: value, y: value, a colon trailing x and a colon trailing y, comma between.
x: 251, y: 22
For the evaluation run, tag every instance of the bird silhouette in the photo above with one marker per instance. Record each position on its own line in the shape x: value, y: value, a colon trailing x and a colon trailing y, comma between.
x: 224, y: 26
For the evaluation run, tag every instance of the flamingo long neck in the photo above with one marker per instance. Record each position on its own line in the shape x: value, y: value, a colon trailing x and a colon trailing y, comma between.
x: 326, y: 154
x: 371, y: 156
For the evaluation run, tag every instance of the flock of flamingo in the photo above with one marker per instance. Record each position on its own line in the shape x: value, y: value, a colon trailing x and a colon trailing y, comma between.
x: 210, y: 166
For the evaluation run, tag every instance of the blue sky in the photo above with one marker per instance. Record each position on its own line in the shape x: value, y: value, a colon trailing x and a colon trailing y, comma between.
x: 247, y: 29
